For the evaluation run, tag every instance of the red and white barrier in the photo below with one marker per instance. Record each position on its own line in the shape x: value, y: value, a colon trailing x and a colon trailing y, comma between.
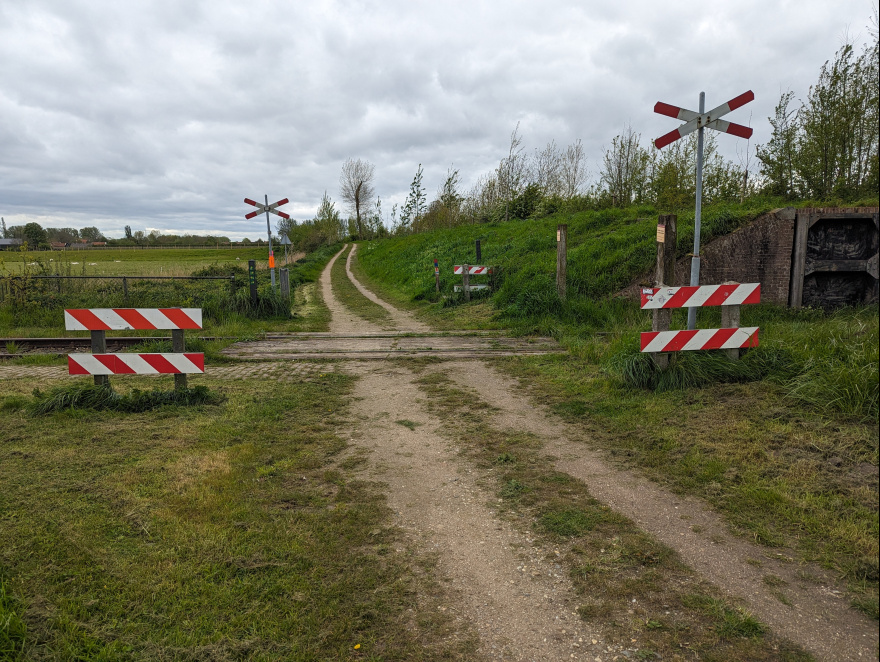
x: 703, y: 295
x: 135, y: 364
x: 473, y: 270
x: 682, y: 341
x: 117, y: 319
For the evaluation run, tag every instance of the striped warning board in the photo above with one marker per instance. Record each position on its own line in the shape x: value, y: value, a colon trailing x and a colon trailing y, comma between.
x: 460, y: 288
x: 117, y: 319
x: 473, y: 270
x: 135, y: 364
x: 682, y: 341
x: 733, y: 294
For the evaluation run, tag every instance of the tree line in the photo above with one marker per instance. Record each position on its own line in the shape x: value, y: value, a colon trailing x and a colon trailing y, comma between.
x: 824, y: 148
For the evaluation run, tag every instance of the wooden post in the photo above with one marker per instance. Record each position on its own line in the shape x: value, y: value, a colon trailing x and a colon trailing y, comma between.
x: 730, y: 320
x: 177, y: 345
x: 99, y: 346
x: 466, y: 281
x: 285, y: 283
x: 664, y: 275
x: 125, y: 288
x: 561, y: 258
x: 479, y: 252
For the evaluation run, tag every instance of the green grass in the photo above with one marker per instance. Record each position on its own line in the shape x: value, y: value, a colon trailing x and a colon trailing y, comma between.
x: 344, y: 290
x: 225, y: 531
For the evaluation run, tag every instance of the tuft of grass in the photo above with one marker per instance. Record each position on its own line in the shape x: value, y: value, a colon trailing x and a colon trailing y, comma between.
x: 732, y: 622
x: 408, y: 423
x: 103, y: 398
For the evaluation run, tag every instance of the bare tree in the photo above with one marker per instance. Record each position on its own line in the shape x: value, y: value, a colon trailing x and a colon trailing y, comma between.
x: 625, y: 167
x: 356, y: 188
x: 547, y: 169
x: 573, y: 170
x: 511, y: 171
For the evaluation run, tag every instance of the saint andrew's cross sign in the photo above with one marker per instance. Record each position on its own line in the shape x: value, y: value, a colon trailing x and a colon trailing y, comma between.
x: 710, y: 120
x: 268, y: 209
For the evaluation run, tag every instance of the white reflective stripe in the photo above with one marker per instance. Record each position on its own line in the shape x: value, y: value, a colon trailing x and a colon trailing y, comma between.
x: 110, y: 318
x: 700, y: 297
x: 719, y: 125
x: 740, y: 338
x: 686, y: 115
x: 72, y: 324
x: 701, y: 338
x: 182, y: 363
x: 156, y: 318
x: 719, y: 111
x: 741, y: 293
x: 90, y: 364
x: 660, y: 341
x: 136, y: 363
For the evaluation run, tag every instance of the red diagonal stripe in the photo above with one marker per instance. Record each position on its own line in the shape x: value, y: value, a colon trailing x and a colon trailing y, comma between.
x: 645, y: 296
x: 647, y: 337
x: 666, y: 109
x: 755, y: 296
x: 718, y: 338
x: 252, y: 214
x: 160, y: 363
x: 667, y: 139
x: 88, y: 319
x: 74, y: 368
x: 719, y: 296
x: 739, y: 130
x: 282, y: 214
x: 134, y: 319
x: 180, y: 318
x: 282, y: 202
x: 741, y: 100
x: 681, y: 297
x: 250, y: 202
x: 117, y: 366
x: 752, y: 340
x: 198, y: 360
x: 679, y: 340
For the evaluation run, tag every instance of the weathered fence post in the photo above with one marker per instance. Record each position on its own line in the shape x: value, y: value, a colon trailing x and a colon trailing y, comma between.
x: 730, y: 320
x: 561, y: 257
x: 125, y: 288
x: 466, y: 281
x: 479, y: 252
x: 252, y: 278
x: 99, y: 346
x: 285, y: 283
x: 436, y: 275
x: 665, y: 275
x: 177, y: 346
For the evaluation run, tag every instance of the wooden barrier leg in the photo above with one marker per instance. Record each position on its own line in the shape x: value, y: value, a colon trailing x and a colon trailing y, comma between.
x: 466, y: 281
x: 730, y: 320
x: 99, y: 346
x: 177, y: 345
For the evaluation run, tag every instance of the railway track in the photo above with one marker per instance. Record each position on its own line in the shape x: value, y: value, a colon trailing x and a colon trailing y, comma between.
x: 67, y: 345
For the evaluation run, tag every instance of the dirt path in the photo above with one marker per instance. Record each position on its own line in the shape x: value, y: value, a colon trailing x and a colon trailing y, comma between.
x: 522, y: 604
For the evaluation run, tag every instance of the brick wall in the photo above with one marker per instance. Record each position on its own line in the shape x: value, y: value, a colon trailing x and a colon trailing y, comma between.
x: 758, y: 253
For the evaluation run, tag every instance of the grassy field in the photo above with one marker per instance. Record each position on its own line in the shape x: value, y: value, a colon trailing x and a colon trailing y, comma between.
x: 231, y: 531
x: 36, y: 309
x: 784, y: 443
x: 123, y: 262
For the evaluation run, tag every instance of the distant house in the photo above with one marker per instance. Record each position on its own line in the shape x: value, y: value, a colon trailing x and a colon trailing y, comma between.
x: 9, y: 243
x: 59, y: 245
x: 99, y: 243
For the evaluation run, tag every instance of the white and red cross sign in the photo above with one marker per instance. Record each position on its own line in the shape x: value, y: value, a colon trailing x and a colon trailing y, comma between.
x: 710, y: 120
x: 261, y: 208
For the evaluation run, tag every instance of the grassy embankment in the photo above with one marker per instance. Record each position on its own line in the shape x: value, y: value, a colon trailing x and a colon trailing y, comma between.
x: 230, y: 531
x: 36, y: 310
x: 784, y: 443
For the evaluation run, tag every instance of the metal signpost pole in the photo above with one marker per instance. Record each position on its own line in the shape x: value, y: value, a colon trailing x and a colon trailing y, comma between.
x: 271, y: 255
x: 698, y: 210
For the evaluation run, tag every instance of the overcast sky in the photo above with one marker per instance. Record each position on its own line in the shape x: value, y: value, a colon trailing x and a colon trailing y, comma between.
x: 165, y: 114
